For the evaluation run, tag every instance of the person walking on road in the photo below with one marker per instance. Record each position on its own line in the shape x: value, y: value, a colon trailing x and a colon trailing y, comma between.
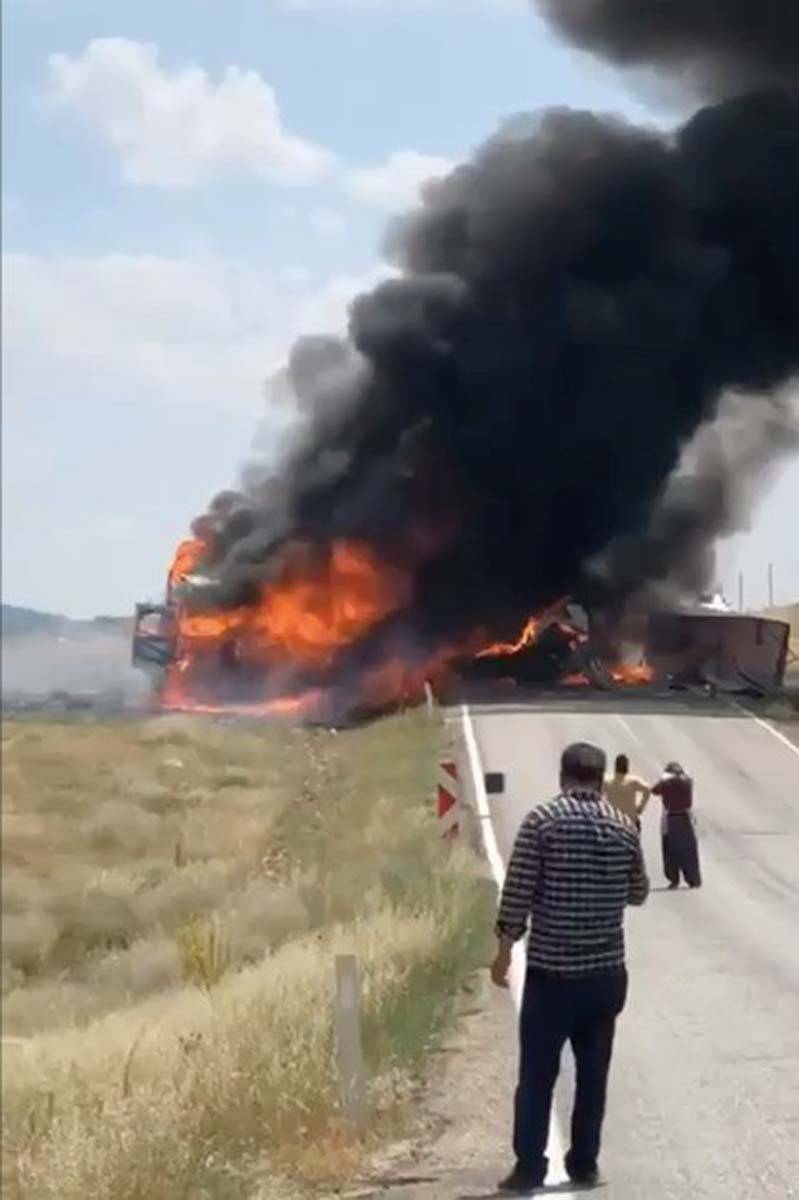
x: 678, y: 828
x: 576, y: 863
x: 625, y: 791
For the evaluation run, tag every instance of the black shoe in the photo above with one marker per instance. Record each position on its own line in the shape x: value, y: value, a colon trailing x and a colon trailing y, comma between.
x: 673, y: 887
x: 521, y: 1183
x: 587, y: 1177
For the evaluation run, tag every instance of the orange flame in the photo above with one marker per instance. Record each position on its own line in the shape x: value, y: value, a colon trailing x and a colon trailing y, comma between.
x: 316, y: 605
x: 623, y: 673
x: 305, y: 705
x: 529, y: 634
x: 187, y: 556
x: 310, y: 611
x: 308, y: 618
x: 629, y: 673
x: 526, y: 638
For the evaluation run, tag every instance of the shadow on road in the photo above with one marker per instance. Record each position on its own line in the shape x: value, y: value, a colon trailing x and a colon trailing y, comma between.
x: 550, y: 1189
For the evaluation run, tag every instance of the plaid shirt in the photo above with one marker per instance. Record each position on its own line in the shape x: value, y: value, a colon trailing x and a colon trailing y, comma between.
x: 576, y: 863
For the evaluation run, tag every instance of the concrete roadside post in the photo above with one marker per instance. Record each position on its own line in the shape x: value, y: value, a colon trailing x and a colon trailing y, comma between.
x: 349, y: 1049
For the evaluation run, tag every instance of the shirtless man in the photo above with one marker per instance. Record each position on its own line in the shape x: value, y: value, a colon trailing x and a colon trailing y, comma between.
x: 626, y: 792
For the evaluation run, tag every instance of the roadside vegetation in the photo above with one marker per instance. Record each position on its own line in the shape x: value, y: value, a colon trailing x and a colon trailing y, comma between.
x: 174, y: 893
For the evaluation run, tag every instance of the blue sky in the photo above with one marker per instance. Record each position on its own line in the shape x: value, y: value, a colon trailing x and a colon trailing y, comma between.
x: 187, y: 186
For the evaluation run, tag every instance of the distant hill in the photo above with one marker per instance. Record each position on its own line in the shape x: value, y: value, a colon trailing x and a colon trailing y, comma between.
x: 18, y: 622
x: 24, y: 622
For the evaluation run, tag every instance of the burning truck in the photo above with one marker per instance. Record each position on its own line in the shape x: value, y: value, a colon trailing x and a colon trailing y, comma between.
x: 327, y: 641
x: 572, y: 385
x: 329, y: 636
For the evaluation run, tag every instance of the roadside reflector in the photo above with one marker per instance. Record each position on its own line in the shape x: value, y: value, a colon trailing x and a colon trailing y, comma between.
x: 448, y: 799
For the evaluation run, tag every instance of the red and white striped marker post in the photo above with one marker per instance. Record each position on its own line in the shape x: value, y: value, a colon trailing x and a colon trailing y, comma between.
x: 448, y: 799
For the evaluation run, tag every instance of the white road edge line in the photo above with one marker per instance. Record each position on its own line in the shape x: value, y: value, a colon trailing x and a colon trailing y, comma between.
x: 555, y: 1149
x: 744, y: 712
x: 767, y: 725
x: 628, y: 729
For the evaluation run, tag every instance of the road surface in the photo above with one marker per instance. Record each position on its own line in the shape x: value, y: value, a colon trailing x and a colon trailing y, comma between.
x: 705, y: 1090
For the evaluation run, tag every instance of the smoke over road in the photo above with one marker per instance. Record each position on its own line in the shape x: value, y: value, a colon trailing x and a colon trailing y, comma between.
x: 87, y: 662
x: 570, y: 307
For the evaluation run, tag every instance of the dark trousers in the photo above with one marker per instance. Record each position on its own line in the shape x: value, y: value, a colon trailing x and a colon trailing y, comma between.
x: 681, y: 850
x: 557, y: 1009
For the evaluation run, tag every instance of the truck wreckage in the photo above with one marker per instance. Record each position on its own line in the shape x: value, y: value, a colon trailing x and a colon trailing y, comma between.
x: 703, y: 648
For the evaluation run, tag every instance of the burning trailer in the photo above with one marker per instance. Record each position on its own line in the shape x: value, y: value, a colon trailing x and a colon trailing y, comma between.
x: 703, y: 645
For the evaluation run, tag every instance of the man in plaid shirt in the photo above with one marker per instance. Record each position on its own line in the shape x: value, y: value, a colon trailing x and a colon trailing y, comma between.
x: 576, y: 864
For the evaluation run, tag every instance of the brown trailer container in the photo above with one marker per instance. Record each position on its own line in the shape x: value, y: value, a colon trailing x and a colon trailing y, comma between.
x: 728, y: 648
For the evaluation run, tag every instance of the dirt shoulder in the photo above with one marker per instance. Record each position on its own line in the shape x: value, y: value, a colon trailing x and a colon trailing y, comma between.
x: 459, y: 1143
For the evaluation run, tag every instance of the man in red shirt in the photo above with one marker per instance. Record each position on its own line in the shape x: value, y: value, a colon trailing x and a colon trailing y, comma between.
x: 678, y: 829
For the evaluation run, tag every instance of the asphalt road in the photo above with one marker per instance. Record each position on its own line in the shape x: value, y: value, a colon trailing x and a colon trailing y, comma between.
x: 705, y: 1089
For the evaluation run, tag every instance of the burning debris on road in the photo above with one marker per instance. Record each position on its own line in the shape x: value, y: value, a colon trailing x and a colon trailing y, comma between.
x: 522, y: 413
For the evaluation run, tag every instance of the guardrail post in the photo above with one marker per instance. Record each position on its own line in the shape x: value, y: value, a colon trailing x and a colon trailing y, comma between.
x: 349, y: 1050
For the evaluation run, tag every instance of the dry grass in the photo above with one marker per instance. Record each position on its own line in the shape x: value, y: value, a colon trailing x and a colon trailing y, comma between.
x: 173, y: 895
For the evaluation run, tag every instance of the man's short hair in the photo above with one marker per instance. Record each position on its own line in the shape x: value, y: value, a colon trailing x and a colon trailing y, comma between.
x: 622, y: 764
x: 583, y: 763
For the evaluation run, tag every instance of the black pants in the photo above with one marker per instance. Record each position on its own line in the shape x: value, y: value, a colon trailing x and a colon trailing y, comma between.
x: 557, y: 1009
x: 681, y: 850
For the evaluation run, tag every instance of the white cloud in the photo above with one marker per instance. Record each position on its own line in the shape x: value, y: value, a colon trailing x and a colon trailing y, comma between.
x: 179, y: 128
x: 361, y: 6
x: 169, y: 328
x: 396, y: 183
x: 132, y: 387
x: 195, y: 331
x: 12, y: 205
x: 327, y: 223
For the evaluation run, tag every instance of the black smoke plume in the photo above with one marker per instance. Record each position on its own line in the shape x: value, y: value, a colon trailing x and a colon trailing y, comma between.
x: 718, y: 47
x: 569, y: 310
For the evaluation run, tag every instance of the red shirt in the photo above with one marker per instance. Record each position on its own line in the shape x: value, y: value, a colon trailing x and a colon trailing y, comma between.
x: 676, y: 792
